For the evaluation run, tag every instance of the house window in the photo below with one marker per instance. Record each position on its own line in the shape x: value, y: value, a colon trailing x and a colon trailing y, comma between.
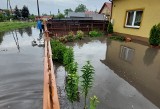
x: 133, y: 18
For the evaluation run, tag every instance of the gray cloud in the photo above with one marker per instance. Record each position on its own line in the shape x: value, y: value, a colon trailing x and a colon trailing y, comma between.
x: 53, y: 5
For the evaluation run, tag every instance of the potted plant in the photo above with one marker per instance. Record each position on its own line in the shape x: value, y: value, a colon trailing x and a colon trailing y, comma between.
x: 110, y: 29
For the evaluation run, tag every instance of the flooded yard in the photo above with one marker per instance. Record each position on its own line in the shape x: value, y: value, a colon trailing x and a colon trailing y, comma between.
x: 127, y: 75
x: 21, y: 70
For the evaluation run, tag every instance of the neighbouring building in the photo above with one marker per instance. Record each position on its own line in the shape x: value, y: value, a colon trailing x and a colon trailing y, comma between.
x: 135, y: 18
x: 44, y: 17
x: 88, y: 15
x: 106, y: 10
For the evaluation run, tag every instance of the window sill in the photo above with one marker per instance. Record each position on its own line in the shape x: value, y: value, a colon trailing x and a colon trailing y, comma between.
x: 134, y: 27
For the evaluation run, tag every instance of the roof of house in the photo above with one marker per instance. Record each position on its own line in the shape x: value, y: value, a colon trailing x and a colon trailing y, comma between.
x: 106, y: 5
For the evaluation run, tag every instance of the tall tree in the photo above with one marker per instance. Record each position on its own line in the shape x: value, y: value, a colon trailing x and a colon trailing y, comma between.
x: 25, y: 12
x: 17, y: 13
x: 81, y: 8
x: 67, y: 10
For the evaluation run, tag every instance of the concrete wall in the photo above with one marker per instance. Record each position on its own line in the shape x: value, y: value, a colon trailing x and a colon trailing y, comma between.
x: 150, y: 17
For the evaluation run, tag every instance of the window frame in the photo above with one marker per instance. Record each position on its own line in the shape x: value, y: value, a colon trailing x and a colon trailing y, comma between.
x: 133, y: 21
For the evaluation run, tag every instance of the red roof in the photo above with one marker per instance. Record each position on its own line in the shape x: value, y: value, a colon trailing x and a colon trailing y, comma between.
x: 106, y: 5
x: 89, y: 12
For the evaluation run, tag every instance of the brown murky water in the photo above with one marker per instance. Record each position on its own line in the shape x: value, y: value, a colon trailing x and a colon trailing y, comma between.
x: 21, y: 70
x: 127, y: 74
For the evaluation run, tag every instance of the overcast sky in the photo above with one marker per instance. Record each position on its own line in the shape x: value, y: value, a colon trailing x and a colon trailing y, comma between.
x: 53, y: 5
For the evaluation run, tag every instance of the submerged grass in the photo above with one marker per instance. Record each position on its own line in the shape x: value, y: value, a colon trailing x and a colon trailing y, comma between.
x: 6, y: 26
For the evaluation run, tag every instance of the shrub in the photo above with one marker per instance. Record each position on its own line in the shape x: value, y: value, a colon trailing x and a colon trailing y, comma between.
x: 62, y: 39
x: 95, y: 33
x: 2, y: 18
x: 154, y: 38
x: 68, y: 57
x: 110, y: 28
x: 58, y: 50
x: 120, y: 38
x: 70, y: 36
x: 80, y: 34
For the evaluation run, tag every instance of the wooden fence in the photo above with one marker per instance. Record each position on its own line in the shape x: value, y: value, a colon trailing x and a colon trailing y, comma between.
x: 62, y: 27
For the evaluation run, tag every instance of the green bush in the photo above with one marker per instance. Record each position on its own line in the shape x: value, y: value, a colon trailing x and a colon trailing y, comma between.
x: 119, y: 38
x: 110, y: 28
x: 80, y: 34
x: 68, y: 57
x: 58, y: 50
x: 70, y: 36
x: 2, y: 18
x: 95, y: 33
x: 154, y: 38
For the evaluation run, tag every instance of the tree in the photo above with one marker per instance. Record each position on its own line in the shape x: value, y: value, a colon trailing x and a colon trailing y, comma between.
x: 17, y: 13
x: 67, y: 10
x: 60, y: 16
x: 32, y: 17
x: 81, y: 8
x: 25, y: 12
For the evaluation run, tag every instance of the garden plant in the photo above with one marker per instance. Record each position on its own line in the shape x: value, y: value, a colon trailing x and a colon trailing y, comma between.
x: 93, y: 102
x: 154, y: 38
x: 87, y: 79
x: 110, y: 28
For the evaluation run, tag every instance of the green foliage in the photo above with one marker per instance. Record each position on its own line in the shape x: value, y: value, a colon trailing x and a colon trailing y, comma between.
x: 17, y: 13
x: 80, y: 34
x: 70, y: 37
x: 72, y: 87
x: 58, y: 50
x: 119, y: 38
x: 72, y: 68
x: 110, y: 28
x: 154, y: 38
x: 95, y: 33
x: 2, y: 18
x: 81, y: 8
x: 32, y: 17
x: 67, y: 10
x: 87, y: 78
x: 59, y: 16
x: 68, y: 57
x: 6, y: 26
x: 93, y: 102
x: 25, y: 12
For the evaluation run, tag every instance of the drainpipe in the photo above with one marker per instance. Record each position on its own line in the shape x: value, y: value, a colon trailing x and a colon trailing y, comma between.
x: 111, y: 7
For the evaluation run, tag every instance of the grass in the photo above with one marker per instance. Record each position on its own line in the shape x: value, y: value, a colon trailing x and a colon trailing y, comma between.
x: 6, y: 26
x: 119, y: 38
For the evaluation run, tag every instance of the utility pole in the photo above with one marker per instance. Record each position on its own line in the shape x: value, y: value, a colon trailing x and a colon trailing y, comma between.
x: 38, y: 8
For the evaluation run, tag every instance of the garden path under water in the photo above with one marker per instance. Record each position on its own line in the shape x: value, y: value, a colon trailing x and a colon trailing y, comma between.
x: 127, y: 75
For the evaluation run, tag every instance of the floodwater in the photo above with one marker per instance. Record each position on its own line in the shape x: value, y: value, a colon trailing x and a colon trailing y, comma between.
x: 127, y: 75
x: 21, y: 70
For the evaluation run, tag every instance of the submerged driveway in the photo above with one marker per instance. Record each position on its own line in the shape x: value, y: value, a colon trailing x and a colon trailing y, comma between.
x: 21, y: 70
